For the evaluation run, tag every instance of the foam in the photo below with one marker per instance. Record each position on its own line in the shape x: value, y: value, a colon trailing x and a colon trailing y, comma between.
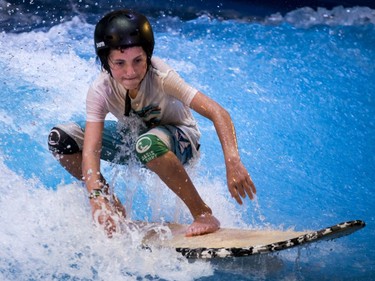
x: 301, y: 103
x: 47, y: 62
x: 49, y: 234
x: 308, y: 17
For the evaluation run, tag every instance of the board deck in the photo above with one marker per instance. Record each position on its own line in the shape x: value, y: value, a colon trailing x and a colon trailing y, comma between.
x: 228, y: 242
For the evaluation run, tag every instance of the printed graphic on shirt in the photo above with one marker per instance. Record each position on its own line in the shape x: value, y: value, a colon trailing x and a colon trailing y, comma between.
x: 150, y: 114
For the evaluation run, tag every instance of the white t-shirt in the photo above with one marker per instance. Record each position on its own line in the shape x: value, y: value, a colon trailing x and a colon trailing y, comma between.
x: 163, y: 99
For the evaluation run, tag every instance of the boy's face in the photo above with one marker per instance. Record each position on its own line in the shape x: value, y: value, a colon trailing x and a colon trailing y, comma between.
x: 128, y: 66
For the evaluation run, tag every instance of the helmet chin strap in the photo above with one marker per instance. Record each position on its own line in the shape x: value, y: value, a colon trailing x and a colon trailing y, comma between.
x: 128, y: 106
x: 128, y: 103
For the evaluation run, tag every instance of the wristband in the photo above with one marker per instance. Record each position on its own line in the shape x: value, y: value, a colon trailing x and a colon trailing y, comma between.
x: 95, y: 193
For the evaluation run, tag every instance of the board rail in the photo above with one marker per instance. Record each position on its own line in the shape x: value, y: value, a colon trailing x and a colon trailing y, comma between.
x: 328, y: 233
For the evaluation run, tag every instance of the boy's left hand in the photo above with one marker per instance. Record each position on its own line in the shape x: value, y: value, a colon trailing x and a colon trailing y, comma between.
x: 240, y: 183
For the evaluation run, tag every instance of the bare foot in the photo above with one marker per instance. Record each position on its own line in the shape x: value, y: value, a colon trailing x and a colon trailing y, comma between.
x: 203, y: 224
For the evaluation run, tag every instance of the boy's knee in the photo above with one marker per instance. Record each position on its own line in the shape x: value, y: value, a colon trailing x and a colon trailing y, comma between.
x: 61, y: 143
x: 149, y: 147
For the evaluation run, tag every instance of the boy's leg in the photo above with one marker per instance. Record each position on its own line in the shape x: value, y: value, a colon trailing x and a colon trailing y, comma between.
x: 72, y: 163
x: 170, y: 170
x: 65, y: 142
x: 164, y: 150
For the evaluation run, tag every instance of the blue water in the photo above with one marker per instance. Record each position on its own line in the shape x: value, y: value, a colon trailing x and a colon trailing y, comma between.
x: 300, y: 88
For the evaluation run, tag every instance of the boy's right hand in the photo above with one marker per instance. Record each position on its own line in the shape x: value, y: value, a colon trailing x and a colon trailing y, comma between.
x: 106, y: 214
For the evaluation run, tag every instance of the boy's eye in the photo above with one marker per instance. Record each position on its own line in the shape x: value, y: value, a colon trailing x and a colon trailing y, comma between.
x: 139, y: 60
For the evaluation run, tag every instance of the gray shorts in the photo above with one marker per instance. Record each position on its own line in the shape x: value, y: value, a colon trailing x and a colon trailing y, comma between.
x: 118, y: 143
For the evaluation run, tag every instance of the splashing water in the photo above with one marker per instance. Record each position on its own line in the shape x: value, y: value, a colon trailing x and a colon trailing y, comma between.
x: 300, y: 89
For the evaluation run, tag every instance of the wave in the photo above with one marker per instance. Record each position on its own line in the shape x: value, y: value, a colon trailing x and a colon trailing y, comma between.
x: 308, y: 17
x: 21, y: 16
x: 302, y: 103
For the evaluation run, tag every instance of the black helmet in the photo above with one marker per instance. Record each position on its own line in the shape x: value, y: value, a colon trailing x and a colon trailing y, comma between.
x: 123, y: 29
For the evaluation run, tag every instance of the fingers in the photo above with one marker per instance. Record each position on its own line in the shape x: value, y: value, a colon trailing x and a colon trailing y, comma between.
x: 234, y: 193
x: 106, y: 218
x: 109, y: 224
x: 110, y: 227
x: 250, y: 188
x: 118, y: 207
x: 239, y: 188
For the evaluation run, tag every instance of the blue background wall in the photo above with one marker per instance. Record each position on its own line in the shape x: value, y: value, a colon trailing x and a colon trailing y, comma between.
x: 18, y: 16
